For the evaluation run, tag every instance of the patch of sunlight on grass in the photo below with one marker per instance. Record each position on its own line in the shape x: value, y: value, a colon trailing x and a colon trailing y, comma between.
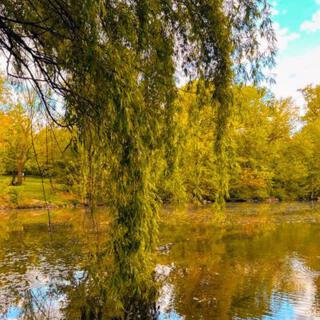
x: 30, y: 193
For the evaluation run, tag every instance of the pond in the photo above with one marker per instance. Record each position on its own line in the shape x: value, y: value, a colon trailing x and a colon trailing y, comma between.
x: 255, y: 261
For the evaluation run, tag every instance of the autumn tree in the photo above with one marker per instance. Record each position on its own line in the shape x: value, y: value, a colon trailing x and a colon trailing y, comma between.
x: 261, y: 129
x: 311, y: 96
x: 17, y: 142
x: 298, y: 168
x: 114, y: 63
x: 3, y: 122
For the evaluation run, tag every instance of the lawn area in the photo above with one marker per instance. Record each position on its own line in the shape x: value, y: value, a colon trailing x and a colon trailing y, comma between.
x: 30, y: 194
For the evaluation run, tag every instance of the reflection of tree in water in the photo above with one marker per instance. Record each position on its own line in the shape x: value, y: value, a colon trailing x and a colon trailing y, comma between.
x: 117, y: 282
x: 38, y: 305
x: 99, y: 294
x: 244, y: 270
x: 112, y: 287
x: 71, y: 273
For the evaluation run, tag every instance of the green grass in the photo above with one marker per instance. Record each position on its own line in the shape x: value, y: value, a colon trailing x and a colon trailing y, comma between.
x: 30, y: 194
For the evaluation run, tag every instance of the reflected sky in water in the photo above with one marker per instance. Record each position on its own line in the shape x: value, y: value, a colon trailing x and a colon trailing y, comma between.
x: 256, y: 262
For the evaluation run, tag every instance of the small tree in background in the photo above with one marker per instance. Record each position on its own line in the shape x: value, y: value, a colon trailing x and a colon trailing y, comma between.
x: 17, y: 142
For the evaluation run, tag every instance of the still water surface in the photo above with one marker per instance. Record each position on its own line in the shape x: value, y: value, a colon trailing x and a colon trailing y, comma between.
x: 254, y: 262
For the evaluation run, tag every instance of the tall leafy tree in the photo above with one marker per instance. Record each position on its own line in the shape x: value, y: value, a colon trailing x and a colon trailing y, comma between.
x: 261, y: 129
x: 17, y: 142
x: 114, y: 63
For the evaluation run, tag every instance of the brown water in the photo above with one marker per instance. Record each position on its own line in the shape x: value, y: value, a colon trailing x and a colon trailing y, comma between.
x: 253, y: 262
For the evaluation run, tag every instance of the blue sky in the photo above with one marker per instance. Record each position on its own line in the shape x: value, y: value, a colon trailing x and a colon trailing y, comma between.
x: 297, y: 25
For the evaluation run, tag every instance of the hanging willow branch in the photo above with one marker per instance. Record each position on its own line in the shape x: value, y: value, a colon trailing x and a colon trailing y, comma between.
x: 114, y: 63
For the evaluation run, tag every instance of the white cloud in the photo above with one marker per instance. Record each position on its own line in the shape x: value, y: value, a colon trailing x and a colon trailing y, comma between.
x: 318, y: 2
x: 312, y: 25
x: 284, y: 37
x: 293, y: 73
x: 275, y: 11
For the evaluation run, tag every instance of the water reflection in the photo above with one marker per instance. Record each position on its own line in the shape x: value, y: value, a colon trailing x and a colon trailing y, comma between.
x: 70, y: 272
x: 257, y: 264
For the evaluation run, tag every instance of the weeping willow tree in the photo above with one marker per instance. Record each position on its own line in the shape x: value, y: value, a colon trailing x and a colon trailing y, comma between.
x: 115, y: 64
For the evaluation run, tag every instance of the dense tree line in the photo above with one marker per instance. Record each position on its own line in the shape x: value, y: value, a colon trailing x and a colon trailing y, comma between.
x: 271, y: 151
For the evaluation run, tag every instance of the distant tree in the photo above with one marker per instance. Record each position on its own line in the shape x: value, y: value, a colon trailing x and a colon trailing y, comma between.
x: 17, y: 142
x: 4, y: 124
x: 311, y: 96
x: 311, y: 136
x: 54, y: 150
x: 261, y: 128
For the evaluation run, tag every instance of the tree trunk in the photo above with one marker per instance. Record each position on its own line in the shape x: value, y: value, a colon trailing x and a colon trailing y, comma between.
x: 19, y: 174
x: 19, y: 177
x: 13, y: 180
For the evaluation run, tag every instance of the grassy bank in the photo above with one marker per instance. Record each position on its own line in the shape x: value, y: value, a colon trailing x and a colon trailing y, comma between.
x: 30, y: 194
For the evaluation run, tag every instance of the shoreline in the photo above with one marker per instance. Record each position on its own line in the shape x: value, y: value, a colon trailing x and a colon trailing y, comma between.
x: 78, y: 205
